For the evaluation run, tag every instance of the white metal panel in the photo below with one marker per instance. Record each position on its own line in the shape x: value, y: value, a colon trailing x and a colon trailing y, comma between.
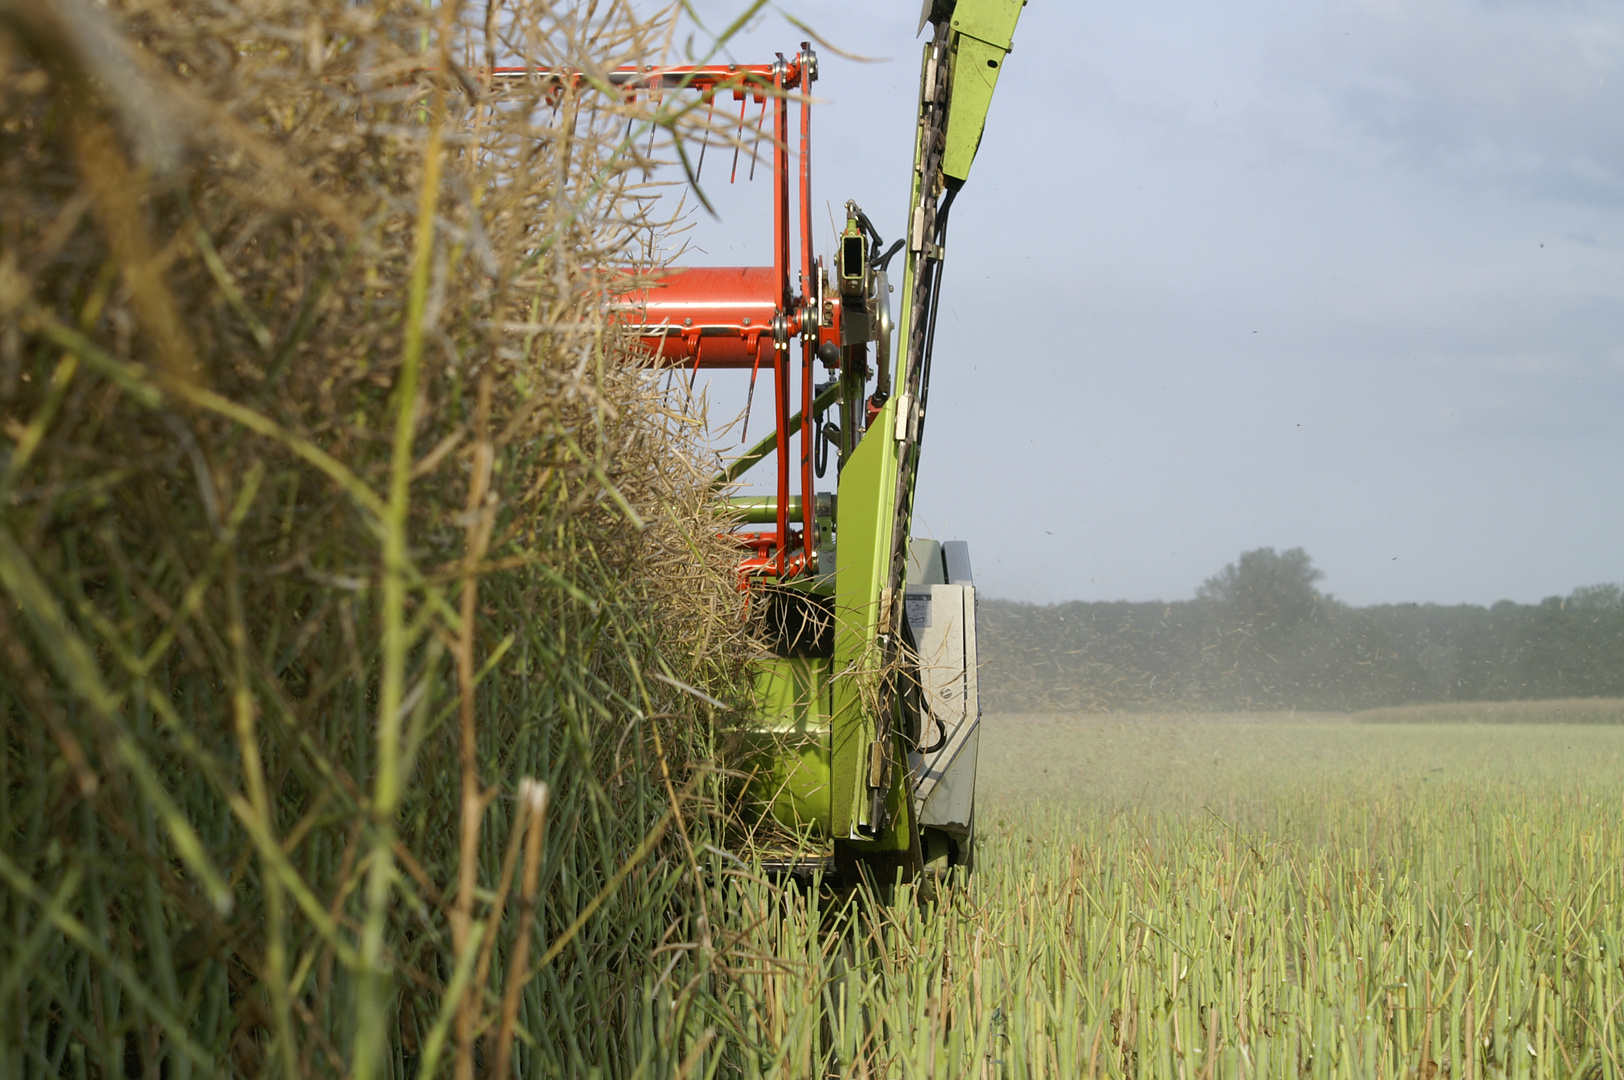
x: 942, y: 618
x: 925, y: 565
x: 952, y: 798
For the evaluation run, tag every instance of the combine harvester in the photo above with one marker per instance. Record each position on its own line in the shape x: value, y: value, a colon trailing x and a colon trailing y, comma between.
x: 862, y: 738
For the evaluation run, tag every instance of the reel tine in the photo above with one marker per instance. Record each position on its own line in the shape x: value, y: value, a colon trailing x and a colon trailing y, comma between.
x: 739, y: 141
x: 750, y: 400
x: 704, y: 140
x: 654, y: 98
x: 760, y: 120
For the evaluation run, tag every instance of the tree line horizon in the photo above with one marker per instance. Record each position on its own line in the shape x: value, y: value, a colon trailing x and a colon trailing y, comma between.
x: 1260, y: 635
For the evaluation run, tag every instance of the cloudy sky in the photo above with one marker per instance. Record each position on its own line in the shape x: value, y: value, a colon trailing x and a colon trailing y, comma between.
x: 1341, y: 275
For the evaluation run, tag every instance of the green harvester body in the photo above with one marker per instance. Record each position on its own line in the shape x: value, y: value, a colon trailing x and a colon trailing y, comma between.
x: 859, y: 742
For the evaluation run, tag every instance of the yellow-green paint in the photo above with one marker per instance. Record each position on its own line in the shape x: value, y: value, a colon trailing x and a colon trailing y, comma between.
x: 762, y: 509
x: 866, y: 512
x: 813, y: 723
x: 982, y: 31
x: 787, y: 748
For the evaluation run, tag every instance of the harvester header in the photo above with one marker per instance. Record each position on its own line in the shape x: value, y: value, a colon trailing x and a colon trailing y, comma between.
x: 862, y: 733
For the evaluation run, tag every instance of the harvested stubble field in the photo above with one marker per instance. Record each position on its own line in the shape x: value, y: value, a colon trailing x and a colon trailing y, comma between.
x: 1228, y: 896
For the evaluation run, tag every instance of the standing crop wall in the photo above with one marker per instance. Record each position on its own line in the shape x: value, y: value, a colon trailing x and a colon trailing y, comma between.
x: 349, y: 575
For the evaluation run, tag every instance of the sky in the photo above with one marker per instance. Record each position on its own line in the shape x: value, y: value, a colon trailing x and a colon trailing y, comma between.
x: 1345, y: 276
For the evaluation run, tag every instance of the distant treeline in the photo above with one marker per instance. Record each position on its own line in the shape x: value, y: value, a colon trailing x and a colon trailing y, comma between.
x: 1259, y: 635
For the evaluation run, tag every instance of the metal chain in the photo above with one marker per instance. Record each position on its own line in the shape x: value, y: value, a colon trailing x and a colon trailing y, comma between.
x: 922, y: 232
x: 920, y: 242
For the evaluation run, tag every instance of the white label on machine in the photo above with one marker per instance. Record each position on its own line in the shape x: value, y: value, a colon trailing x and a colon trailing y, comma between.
x: 918, y: 606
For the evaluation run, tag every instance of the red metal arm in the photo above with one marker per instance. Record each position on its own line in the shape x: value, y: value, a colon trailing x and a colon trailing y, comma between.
x: 728, y: 317
x: 781, y: 347
x: 809, y: 292
x: 740, y: 78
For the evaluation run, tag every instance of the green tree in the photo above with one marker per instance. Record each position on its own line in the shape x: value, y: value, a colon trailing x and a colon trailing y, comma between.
x: 1267, y: 590
x: 1605, y: 597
